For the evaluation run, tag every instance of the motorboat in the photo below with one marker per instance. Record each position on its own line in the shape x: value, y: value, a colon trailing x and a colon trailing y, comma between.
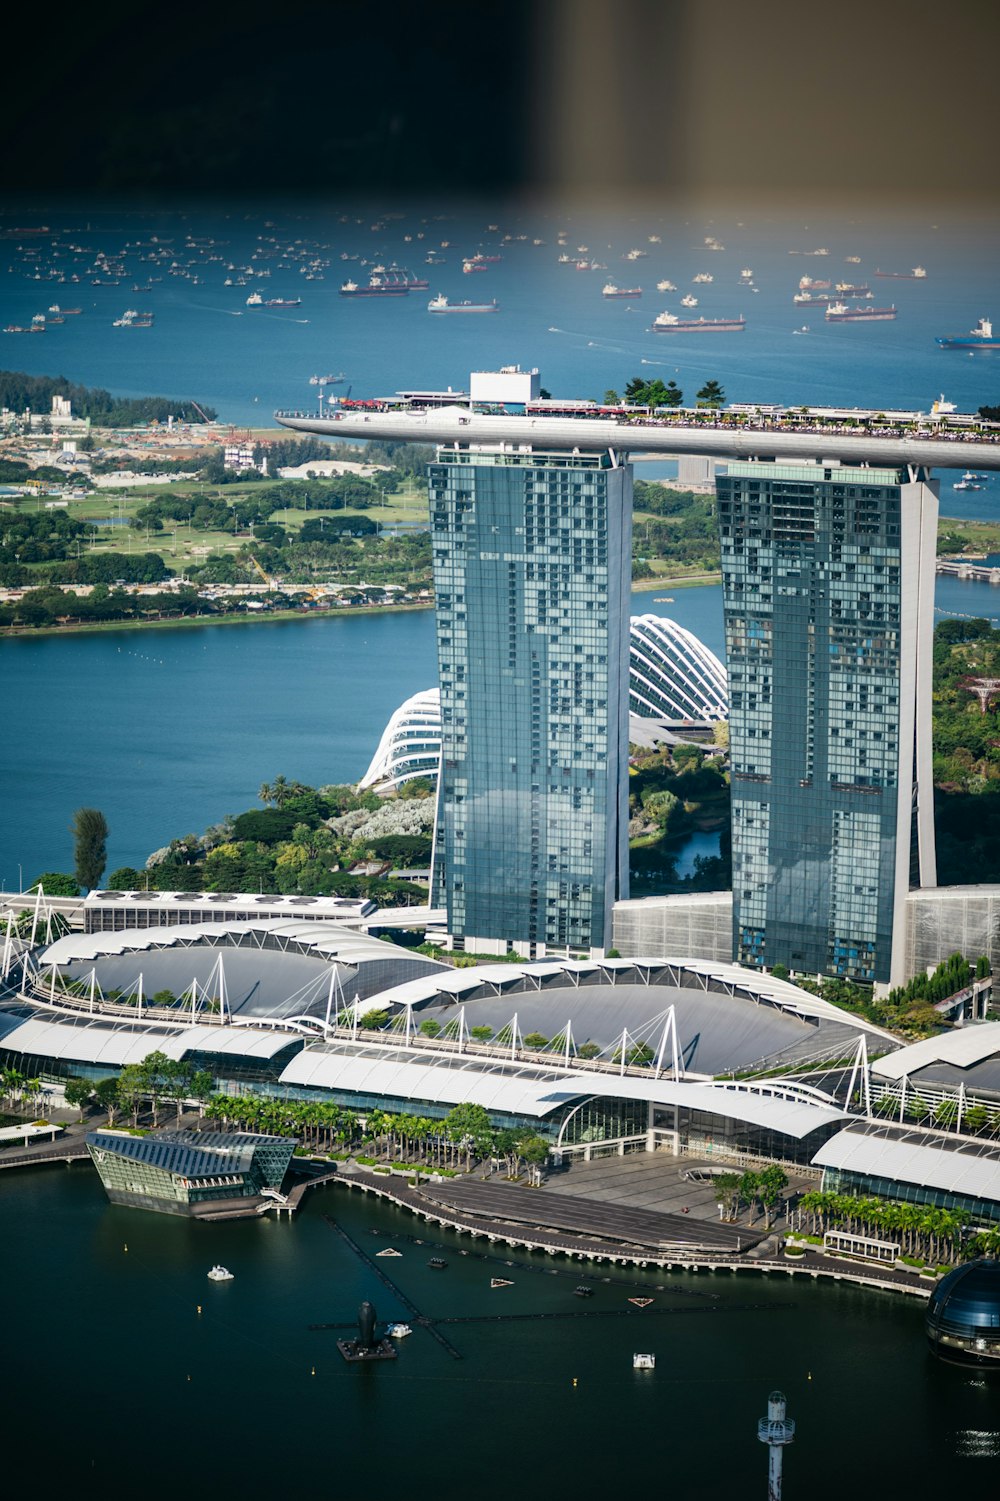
x: 220, y: 1274
x: 398, y: 1331
x: 643, y: 1362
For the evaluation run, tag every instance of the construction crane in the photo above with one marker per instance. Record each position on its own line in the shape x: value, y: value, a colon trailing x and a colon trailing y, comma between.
x: 269, y: 579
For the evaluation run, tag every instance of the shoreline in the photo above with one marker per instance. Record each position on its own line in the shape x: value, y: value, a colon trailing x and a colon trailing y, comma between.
x: 271, y: 617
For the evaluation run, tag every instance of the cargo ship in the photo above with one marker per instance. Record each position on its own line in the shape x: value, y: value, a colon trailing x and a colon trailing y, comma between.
x: 669, y: 323
x: 283, y: 302
x: 375, y: 288
x: 610, y: 290
x: 441, y: 304
x: 848, y: 289
x: 917, y: 274
x: 839, y: 312
x: 980, y: 337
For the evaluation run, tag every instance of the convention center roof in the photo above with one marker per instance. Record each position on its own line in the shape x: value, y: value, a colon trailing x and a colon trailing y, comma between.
x: 927, y: 1159
x: 531, y: 1090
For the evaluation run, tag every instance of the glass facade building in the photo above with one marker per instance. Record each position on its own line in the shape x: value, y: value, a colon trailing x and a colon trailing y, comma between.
x: 828, y: 579
x: 532, y: 568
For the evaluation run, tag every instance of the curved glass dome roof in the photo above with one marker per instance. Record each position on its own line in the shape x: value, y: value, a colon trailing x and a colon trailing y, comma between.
x: 963, y: 1315
x: 672, y: 675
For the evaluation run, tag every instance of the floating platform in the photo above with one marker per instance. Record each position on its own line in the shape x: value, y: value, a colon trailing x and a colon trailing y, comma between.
x: 356, y: 1353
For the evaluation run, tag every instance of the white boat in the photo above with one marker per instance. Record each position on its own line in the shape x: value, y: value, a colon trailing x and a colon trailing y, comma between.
x: 220, y: 1274
x: 704, y: 277
x: 747, y: 274
x: 643, y: 1362
x: 688, y: 301
x: 255, y: 300
x: 665, y: 286
x: 398, y: 1331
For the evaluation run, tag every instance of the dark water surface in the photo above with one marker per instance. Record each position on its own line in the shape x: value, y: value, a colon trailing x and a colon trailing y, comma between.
x: 116, y: 1384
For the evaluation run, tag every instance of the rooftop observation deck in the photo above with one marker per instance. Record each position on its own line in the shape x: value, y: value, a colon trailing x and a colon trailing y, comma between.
x: 888, y: 440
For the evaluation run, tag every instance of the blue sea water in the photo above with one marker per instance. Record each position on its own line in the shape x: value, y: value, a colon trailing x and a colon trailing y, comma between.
x: 207, y: 344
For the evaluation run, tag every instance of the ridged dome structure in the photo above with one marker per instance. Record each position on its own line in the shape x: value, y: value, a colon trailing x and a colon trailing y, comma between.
x: 963, y: 1315
x: 410, y: 745
x: 672, y: 675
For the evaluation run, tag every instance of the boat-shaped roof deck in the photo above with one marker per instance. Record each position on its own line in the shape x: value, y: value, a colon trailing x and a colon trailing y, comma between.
x: 886, y: 440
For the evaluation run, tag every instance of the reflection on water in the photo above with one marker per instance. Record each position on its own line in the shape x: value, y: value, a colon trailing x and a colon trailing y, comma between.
x: 977, y: 1443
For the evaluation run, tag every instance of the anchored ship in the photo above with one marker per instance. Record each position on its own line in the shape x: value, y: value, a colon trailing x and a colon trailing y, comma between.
x: 441, y: 304
x: 375, y: 288
x: 669, y: 323
x: 917, y: 274
x: 610, y: 290
x: 839, y: 312
x: 980, y: 337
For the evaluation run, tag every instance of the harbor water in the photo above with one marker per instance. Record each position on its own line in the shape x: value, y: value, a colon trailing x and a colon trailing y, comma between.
x: 230, y: 1393
x: 167, y: 731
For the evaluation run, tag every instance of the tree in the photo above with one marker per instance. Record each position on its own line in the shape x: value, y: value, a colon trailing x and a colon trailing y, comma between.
x: 108, y: 1098
x: 611, y: 398
x: 90, y: 832
x: 711, y: 395
x: 726, y: 1190
x: 56, y: 883
x: 78, y: 1092
x: 770, y: 1183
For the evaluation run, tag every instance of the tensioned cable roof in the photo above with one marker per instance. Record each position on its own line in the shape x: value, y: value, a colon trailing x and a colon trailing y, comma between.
x: 948, y: 1164
x: 962, y: 1048
x: 537, y: 1092
x: 513, y: 977
x: 327, y: 940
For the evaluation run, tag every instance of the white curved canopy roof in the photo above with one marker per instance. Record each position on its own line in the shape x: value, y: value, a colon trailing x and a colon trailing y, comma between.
x: 114, y: 1047
x: 962, y: 1048
x: 536, y: 1092
x: 327, y: 940
x: 780, y: 993
x: 970, y: 1168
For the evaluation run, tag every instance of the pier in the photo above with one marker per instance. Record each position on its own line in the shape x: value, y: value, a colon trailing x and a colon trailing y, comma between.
x: 607, y: 1253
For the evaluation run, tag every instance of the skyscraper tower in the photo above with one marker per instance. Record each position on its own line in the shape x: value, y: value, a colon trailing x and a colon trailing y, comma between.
x: 532, y: 567
x: 828, y: 579
x: 775, y: 1431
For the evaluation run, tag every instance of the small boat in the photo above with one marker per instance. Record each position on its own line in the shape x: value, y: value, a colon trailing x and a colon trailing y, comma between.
x: 663, y: 599
x: 398, y: 1331
x: 389, y: 1251
x: 643, y: 1362
x: 438, y: 1263
x: 583, y: 1291
x: 501, y: 1282
x: 220, y: 1274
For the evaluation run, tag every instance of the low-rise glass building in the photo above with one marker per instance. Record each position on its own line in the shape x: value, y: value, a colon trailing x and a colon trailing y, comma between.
x: 190, y: 1172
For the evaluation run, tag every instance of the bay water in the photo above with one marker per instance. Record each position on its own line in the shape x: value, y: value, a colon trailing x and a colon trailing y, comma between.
x: 127, y: 1366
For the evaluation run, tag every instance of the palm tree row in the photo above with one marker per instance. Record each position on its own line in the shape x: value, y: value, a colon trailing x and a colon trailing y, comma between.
x: 921, y: 1229
x: 463, y: 1137
x: 18, y: 1090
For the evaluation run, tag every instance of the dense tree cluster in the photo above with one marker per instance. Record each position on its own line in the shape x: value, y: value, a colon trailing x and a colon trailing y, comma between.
x: 34, y: 393
x: 966, y: 752
x: 303, y: 842
x: 675, y: 792
x: 677, y: 525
